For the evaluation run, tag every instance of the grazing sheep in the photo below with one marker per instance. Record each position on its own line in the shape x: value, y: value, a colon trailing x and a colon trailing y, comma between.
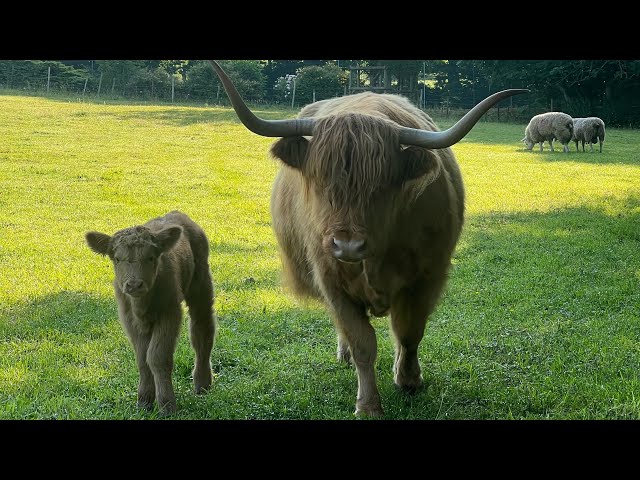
x: 549, y: 126
x: 589, y: 130
x: 157, y: 265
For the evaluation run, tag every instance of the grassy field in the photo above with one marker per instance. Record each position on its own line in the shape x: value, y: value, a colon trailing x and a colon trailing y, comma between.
x: 540, y: 319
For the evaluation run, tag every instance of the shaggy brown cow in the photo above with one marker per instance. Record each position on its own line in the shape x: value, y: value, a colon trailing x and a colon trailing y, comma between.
x: 157, y: 265
x: 367, y: 213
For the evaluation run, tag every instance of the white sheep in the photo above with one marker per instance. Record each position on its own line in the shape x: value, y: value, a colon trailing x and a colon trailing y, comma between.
x: 549, y: 126
x: 589, y: 130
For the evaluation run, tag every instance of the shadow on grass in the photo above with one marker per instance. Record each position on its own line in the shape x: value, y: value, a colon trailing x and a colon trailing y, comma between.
x: 73, y: 313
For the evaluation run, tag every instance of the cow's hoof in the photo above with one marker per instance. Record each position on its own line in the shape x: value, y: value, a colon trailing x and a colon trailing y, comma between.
x: 362, y: 412
x: 201, y: 381
x: 369, y: 410
x: 409, y: 385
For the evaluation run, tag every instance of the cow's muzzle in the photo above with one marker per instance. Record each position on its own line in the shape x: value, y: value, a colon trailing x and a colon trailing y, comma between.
x: 351, y: 251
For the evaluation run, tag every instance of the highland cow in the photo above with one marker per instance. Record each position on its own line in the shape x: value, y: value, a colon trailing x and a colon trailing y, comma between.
x: 157, y: 266
x: 367, y: 210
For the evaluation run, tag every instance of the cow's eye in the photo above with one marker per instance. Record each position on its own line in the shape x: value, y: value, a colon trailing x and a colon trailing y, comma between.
x: 116, y: 260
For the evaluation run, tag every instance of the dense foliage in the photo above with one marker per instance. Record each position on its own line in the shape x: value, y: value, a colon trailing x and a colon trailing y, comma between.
x: 605, y: 88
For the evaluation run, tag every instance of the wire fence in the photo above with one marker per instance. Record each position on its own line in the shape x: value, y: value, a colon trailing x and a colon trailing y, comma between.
x: 516, y: 109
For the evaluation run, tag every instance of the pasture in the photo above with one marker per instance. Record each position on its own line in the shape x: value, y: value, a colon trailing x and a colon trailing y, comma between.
x: 540, y: 318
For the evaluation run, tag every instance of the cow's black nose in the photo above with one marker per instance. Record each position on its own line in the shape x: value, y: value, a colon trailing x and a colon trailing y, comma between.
x: 349, y: 250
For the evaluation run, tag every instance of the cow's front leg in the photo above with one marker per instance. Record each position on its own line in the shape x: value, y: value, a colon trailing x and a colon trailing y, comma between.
x: 353, y: 326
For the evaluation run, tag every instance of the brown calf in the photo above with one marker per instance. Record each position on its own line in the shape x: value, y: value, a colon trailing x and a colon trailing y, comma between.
x: 157, y: 265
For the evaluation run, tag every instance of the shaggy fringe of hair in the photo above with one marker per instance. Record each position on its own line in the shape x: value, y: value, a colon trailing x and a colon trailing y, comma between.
x: 351, y: 157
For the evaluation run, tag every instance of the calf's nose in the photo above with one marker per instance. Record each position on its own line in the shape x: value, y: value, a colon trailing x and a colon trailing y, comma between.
x: 133, y: 285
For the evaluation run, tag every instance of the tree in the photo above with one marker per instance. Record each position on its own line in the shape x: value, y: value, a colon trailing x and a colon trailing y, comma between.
x: 325, y: 81
x: 201, y: 81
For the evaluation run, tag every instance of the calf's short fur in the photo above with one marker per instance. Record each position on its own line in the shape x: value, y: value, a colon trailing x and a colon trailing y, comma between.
x: 157, y: 266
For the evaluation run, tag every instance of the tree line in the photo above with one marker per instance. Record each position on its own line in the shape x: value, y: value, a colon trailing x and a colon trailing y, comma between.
x: 605, y: 88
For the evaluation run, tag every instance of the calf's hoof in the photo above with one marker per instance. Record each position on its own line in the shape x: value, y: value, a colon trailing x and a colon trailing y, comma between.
x: 167, y: 409
x: 146, y: 401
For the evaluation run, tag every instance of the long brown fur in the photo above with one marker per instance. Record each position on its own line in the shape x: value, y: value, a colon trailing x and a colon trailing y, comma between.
x: 168, y: 257
x: 352, y: 180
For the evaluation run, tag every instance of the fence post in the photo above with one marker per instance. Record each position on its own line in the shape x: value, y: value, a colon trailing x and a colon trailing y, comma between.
x: 218, y: 96
x: 113, y: 86
x: 48, y: 79
x: 551, y: 105
x: 85, y: 87
x: 173, y: 88
x: 100, y: 84
x: 293, y: 96
x: 314, y: 94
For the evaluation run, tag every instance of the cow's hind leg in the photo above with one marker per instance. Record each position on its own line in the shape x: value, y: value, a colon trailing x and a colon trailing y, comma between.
x: 409, y: 312
x: 344, y: 354
x: 202, y: 328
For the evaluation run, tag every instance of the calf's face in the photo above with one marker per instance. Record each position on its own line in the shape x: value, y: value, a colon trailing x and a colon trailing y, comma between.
x: 135, y: 254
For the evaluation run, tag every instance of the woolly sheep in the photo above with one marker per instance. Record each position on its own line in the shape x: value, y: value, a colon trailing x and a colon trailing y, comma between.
x: 549, y: 126
x: 589, y: 130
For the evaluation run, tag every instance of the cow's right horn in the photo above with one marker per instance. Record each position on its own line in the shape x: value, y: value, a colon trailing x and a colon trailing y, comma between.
x: 266, y: 128
x: 427, y: 139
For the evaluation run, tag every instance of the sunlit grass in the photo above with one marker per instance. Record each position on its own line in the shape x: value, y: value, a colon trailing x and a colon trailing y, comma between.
x: 540, y: 318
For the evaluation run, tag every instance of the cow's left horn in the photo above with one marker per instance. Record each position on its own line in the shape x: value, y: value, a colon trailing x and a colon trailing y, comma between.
x: 266, y: 128
x: 427, y: 139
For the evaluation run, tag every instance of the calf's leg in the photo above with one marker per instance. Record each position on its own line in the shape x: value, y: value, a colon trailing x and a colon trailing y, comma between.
x: 146, y: 385
x: 202, y: 330
x: 160, y: 359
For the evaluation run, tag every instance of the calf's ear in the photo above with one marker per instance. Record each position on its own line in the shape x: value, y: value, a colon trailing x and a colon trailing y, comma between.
x: 167, y: 238
x: 98, y: 242
x: 291, y: 150
x: 420, y: 162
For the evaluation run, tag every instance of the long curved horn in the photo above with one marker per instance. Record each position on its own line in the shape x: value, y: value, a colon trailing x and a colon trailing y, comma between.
x: 408, y: 136
x: 427, y: 139
x: 266, y: 128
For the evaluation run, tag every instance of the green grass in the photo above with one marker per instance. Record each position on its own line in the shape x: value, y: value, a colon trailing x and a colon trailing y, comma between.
x: 540, y: 318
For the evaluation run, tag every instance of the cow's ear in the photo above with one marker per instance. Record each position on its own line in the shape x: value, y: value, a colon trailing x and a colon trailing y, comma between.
x: 167, y: 238
x: 98, y: 242
x: 291, y: 150
x: 420, y: 162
